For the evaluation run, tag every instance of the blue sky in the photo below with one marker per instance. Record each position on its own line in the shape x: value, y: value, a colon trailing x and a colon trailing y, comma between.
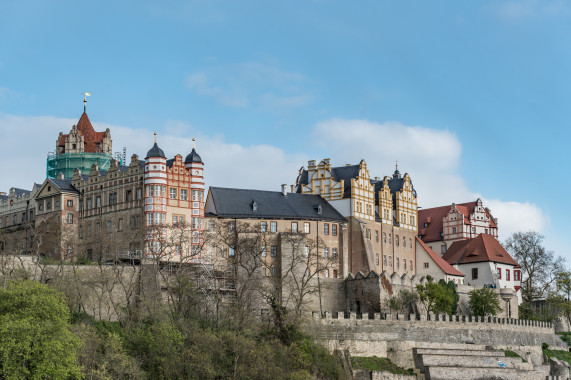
x: 472, y: 97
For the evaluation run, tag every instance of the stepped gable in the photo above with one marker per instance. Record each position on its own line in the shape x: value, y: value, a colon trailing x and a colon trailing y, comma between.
x: 345, y: 173
x: 442, y: 264
x: 434, y: 216
x: 92, y: 138
x: 482, y: 248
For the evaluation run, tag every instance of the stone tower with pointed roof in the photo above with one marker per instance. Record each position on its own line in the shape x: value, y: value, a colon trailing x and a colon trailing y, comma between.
x: 80, y: 149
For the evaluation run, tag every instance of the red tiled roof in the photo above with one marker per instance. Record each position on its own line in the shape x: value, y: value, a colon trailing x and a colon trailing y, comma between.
x: 435, y: 215
x: 482, y: 248
x: 92, y: 138
x: 442, y: 264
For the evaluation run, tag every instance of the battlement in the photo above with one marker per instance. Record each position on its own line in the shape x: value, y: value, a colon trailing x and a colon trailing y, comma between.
x: 438, y: 319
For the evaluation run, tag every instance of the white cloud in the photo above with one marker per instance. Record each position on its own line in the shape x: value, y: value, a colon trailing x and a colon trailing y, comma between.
x: 516, y: 216
x: 258, y: 84
x: 431, y: 157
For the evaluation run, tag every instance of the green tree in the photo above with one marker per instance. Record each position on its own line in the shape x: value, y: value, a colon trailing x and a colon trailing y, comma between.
x: 439, y: 297
x: 35, y: 339
x: 484, y: 301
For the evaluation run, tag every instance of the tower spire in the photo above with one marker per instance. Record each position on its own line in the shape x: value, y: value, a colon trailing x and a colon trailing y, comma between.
x: 193, y: 139
x: 85, y: 95
x: 155, y: 137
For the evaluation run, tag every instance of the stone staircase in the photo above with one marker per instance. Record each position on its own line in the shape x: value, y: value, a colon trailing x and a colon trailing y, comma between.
x: 451, y: 364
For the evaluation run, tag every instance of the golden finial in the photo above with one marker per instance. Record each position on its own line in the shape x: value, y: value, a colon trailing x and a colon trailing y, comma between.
x: 155, y: 137
x: 193, y: 139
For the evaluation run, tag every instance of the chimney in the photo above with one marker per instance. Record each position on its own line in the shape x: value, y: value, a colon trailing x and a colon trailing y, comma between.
x: 292, y: 188
x: 284, y: 190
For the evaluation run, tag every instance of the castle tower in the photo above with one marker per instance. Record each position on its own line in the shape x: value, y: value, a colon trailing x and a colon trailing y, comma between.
x: 195, y: 166
x: 155, y: 185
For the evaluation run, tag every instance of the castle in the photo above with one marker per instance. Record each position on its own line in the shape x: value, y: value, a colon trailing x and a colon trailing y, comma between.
x: 339, y: 231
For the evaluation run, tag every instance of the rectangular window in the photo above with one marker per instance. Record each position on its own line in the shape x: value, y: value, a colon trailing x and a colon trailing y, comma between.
x: 139, y: 193
x: 390, y: 239
x: 398, y: 263
x: 385, y: 260
x: 443, y: 249
x: 384, y: 237
x: 56, y: 204
x: 306, y: 251
x: 98, y: 201
x: 499, y: 273
x: 327, y: 273
x: 183, y: 194
x: 516, y: 275
x: 397, y: 240
x: 112, y: 198
x: 273, y: 227
x: 231, y: 226
x: 294, y: 227
x: 390, y: 261
x: 410, y: 262
x: 426, y: 265
x: 334, y: 229
x: 195, y: 223
x: 334, y: 253
x: 173, y: 193
x: 507, y: 275
x: 175, y: 220
x: 195, y: 195
x: 377, y: 258
x: 326, y: 252
x: 230, y: 251
x: 368, y: 234
x: 70, y: 203
x: 264, y: 253
x: 263, y: 226
x: 211, y: 226
x: 376, y: 236
x: 120, y: 225
x: 453, y: 230
x: 274, y: 251
x: 69, y: 218
x: 306, y: 227
x: 109, y: 225
x: 410, y: 243
x: 404, y: 264
x: 326, y: 228
x: 474, y: 273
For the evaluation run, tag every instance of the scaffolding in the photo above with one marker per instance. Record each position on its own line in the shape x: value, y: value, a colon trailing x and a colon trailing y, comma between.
x: 66, y: 163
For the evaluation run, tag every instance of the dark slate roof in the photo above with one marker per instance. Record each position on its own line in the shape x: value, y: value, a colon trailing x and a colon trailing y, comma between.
x: 20, y: 192
x: 345, y: 173
x: 192, y: 157
x: 237, y: 203
x: 63, y: 184
x: 3, y: 197
x: 155, y: 152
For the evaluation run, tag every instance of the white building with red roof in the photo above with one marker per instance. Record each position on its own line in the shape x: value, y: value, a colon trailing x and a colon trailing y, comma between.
x: 485, y: 263
x: 429, y: 263
x: 439, y: 227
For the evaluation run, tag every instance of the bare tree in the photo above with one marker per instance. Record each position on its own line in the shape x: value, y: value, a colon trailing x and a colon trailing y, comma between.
x: 539, y: 266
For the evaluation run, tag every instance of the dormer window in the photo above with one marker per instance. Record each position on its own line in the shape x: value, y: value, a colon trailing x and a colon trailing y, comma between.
x: 319, y: 209
x: 254, y: 206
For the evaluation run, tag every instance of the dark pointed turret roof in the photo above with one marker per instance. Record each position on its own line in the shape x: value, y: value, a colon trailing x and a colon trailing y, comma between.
x: 193, y: 157
x: 155, y: 152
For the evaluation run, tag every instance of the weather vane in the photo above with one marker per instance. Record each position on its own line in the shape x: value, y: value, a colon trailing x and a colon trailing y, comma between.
x: 85, y: 95
x: 155, y: 137
x: 193, y: 142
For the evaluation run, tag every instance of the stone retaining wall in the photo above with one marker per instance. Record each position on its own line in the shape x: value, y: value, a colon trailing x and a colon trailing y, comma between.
x: 395, y: 338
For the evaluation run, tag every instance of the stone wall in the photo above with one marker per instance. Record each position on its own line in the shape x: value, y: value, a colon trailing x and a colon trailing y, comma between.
x: 396, y: 337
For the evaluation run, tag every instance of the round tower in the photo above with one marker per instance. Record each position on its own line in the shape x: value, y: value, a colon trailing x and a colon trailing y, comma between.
x: 155, y: 200
x: 195, y: 166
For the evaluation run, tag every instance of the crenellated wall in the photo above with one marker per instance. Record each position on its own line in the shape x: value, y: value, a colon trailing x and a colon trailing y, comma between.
x: 394, y: 336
